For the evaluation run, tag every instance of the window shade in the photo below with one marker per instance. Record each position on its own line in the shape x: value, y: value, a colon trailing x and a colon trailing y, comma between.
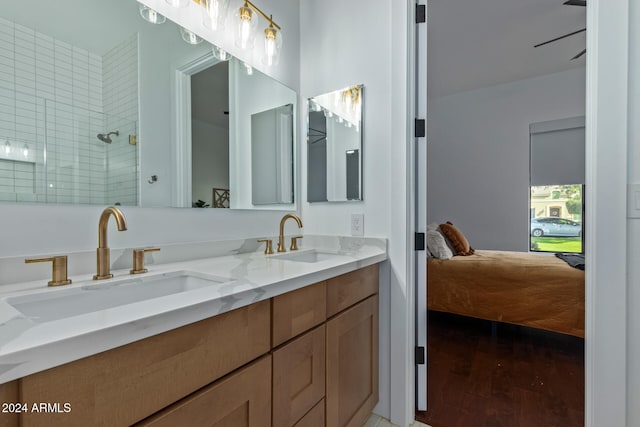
x: 557, y: 152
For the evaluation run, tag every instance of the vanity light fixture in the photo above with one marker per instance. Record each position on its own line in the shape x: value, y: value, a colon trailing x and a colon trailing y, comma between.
x: 8, y: 149
x: 214, y: 13
x: 220, y: 53
x: 189, y: 36
x: 272, y: 43
x: 178, y: 3
x: 245, y: 26
x: 151, y: 15
x: 351, y: 97
x: 25, y: 151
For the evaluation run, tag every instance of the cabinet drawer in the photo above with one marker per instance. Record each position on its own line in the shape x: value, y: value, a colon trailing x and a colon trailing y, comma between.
x: 352, y: 365
x: 298, y: 311
x: 298, y: 377
x: 314, y: 418
x: 243, y: 399
x: 346, y: 290
x: 127, y: 384
x: 8, y: 395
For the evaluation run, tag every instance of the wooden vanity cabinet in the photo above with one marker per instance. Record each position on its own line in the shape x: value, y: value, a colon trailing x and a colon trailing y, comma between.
x: 127, y: 384
x: 307, y: 358
x: 243, y: 399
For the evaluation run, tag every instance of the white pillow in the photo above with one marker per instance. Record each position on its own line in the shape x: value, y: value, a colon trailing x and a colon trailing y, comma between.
x: 437, y: 245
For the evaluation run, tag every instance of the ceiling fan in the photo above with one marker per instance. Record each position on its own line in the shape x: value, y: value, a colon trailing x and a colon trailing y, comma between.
x: 582, y: 3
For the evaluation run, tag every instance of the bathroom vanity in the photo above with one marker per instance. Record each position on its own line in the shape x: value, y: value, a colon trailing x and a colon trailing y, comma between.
x: 294, y: 343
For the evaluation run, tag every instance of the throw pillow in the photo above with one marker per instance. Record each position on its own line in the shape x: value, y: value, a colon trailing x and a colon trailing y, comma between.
x: 457, y: 239
x: 437, y: 245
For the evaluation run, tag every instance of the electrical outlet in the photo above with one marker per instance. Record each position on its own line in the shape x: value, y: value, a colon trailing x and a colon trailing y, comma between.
x: 357, y: 224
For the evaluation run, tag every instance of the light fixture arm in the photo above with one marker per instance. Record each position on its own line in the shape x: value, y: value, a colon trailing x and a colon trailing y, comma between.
x: 264, y: 15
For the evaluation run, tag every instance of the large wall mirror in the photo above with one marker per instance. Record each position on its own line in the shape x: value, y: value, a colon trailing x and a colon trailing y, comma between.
x: 334, y: 146
x: 98, y: 106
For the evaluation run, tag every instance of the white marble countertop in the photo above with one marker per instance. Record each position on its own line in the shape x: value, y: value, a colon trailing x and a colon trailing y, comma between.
x: 28, y: 346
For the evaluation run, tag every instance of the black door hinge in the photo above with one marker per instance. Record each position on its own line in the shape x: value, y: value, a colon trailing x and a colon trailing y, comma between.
x: 420, y: 356
x: 421, y: 126
x: 419, y: 243
x: 421, y: 14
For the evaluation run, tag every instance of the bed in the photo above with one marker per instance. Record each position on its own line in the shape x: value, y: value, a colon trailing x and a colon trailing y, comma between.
x: 534, y: 290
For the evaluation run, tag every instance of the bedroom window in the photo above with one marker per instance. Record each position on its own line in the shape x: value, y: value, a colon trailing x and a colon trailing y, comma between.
x: 556, y: 213
x: 556, y: 208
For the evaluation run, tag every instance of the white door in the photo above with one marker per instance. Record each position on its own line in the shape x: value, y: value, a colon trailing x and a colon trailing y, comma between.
x: 421, y: 215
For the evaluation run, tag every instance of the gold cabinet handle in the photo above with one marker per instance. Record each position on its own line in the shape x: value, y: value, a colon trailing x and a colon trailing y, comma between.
x: 59, y: 269
x: 138, y: 260
x: 294, y: 243
x: 268, y: 246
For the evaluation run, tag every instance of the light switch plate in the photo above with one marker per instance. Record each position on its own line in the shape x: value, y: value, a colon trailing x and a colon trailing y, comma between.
x: 357, y: 224
x: 633, y: 201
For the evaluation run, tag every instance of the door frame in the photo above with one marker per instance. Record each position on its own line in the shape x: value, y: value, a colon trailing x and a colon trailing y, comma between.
x: 182, y: 118
x: 606, y: 197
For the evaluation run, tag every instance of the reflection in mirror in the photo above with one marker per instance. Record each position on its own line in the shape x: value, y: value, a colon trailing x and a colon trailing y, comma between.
x: 88, y: 111
x: 272, y: 156
x: 334, y: 146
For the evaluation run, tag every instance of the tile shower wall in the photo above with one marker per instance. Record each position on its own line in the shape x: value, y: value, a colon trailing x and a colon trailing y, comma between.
x: 120, y: 95
x: 52, y: 100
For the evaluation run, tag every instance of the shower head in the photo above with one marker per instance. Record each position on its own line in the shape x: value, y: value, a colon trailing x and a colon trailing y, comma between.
x: 106, y: 137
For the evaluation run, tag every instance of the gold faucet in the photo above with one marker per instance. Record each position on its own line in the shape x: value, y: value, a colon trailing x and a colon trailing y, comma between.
x: 281, y: 247
x: 102, y: 252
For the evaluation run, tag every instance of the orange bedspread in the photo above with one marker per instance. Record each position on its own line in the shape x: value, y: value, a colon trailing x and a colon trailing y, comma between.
x: 540, y: 291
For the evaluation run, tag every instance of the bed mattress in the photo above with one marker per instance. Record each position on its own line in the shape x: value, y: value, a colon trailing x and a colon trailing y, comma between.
x: 535, y: 290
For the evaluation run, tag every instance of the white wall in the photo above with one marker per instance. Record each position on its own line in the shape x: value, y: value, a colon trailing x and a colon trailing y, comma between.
x: 478, y: 154
x: 347, y: 43
x: 209, y: 160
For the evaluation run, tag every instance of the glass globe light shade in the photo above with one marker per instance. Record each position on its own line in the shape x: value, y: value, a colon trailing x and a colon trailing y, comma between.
x: 214, y: 14
x: 151, y: 15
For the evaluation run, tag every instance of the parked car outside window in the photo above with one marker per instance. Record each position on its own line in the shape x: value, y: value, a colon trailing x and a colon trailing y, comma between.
x: 553, y: 226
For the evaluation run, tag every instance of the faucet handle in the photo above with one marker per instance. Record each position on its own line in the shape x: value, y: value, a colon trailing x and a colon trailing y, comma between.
x: 59, y: 269
x: 138, y: 260
x: 268, y: 246
x: 294, y: 243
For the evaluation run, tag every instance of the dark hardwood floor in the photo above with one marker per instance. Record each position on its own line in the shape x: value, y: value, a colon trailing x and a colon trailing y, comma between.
x: 511, y: 376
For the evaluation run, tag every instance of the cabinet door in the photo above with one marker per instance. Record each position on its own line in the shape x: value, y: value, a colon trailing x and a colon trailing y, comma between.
x: 346, y: 290
x: 298, y: 311
x: 298, y: 377
x: 352, y: 365
x: 243, y: 399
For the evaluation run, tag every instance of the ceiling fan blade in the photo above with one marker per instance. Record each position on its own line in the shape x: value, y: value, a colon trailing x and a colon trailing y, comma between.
x: 579, y: 55
x: 576, y: 2
x: 561, y: 37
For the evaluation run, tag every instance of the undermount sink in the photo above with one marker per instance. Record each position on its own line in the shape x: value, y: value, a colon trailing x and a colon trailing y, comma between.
x: 49, y: 306
x: 311, y: 255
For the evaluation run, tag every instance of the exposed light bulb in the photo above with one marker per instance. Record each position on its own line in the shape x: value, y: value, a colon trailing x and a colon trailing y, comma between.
x: 25, y: 150
x: 270, y: 44
x: 245, y: 27
x: 214, y: 13
x: 8, y: 149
